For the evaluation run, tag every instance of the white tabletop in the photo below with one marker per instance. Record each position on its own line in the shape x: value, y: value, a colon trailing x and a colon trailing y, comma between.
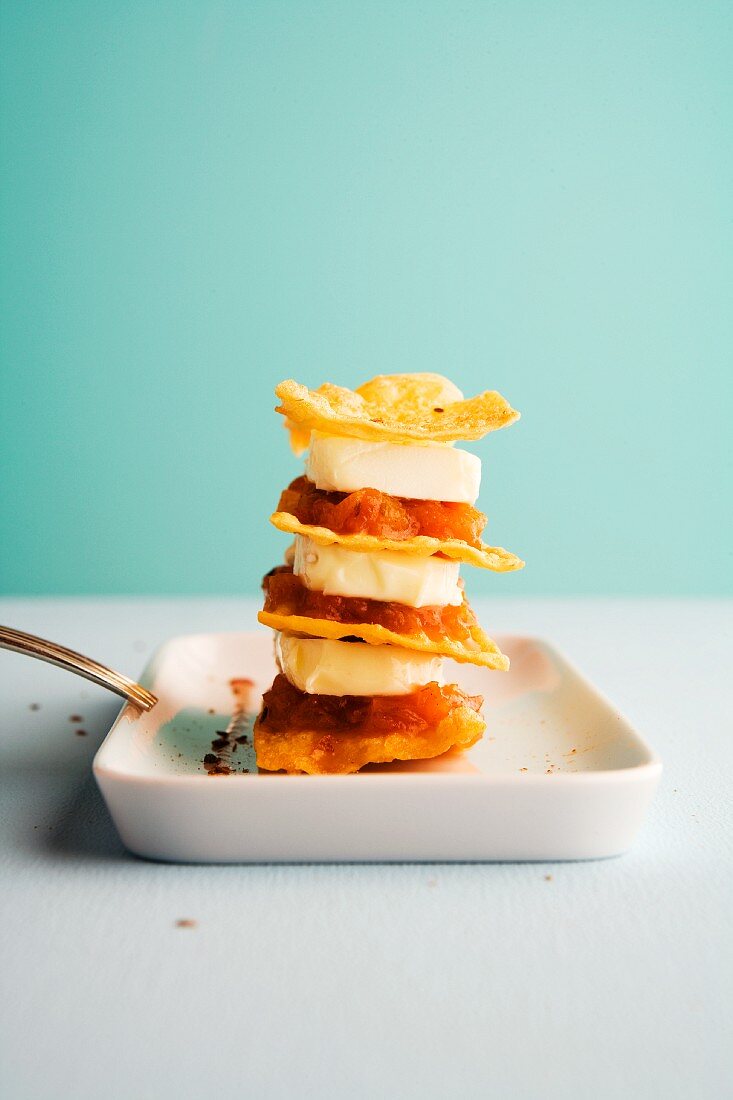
x: 607, y: 979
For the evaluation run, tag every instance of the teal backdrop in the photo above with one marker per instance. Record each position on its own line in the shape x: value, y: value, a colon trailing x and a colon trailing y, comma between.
x: 199, y: 199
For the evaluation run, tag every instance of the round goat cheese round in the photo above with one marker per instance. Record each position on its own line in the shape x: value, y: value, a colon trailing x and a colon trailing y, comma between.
x: 428, y: 471
x: 390, y: 576
x: 319, y: 666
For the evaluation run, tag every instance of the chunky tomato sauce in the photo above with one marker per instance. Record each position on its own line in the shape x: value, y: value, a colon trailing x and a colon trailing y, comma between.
x: 287, y: 710
x: 285, y: 594
x: 370, y: 512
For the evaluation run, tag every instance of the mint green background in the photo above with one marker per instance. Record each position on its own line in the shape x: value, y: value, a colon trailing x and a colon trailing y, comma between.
x: 199, y: 199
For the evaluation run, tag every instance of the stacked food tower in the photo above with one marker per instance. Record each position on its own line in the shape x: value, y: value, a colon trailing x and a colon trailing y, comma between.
x: 369, y: 602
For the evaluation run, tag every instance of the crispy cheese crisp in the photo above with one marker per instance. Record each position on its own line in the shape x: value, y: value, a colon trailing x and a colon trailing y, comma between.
x: 477, y: 649
x: 494, y: 558
x: 319, y: 753
x: 399, y: 408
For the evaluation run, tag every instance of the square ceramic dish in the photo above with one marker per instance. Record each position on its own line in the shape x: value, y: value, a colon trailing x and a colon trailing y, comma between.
x: 558, y: 775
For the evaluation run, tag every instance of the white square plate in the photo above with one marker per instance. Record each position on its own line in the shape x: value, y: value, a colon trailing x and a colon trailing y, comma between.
x: 559, y: 773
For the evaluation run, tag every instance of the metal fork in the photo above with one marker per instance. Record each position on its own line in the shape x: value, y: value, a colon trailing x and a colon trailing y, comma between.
x: 76, y: 662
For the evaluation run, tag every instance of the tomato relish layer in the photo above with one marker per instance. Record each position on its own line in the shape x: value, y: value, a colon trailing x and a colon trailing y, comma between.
x: 330, y: 734
x: 350, y: 518
x: 370, y: 512
x: 452, y: 631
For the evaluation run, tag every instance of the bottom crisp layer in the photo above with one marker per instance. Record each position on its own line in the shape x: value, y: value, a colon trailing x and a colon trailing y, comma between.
x: 327, y: 734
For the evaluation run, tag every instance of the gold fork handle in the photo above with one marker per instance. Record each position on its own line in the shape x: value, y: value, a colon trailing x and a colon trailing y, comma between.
x: 76, y: 662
